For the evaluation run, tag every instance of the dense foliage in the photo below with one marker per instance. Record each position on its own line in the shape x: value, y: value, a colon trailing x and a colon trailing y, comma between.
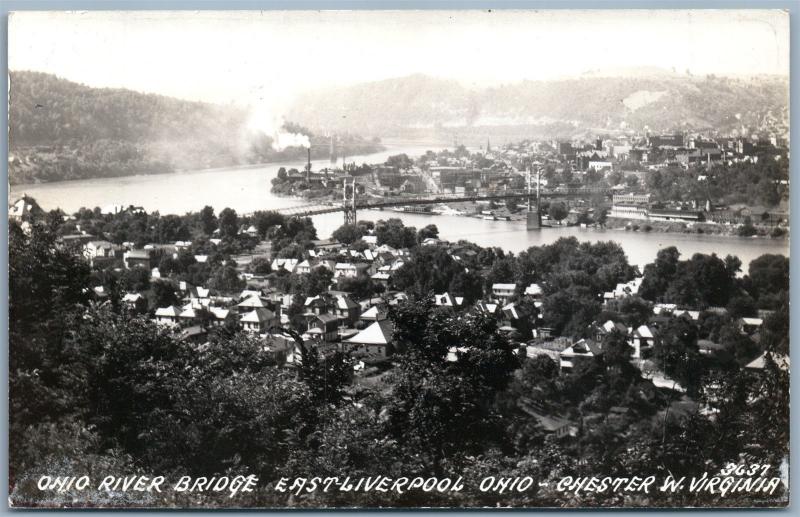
x: 96, y: 388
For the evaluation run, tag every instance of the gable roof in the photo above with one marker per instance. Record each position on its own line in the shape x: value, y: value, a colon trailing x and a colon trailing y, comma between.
x: 171, y: 311
x: 345, y: 302
x: 258, y: 316
x: 379, y: 333
x: 504, y: 287
x: 254, y: 301
x: 533, y: 290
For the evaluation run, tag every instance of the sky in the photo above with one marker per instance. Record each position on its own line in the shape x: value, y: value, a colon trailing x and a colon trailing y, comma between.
x: 252, y: 57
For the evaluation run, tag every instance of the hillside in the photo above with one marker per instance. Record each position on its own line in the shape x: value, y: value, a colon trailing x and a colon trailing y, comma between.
x: 61, y: 130
x: 662, y: 102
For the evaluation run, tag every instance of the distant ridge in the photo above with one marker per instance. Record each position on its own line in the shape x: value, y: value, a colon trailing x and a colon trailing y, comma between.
x: 657, y: 99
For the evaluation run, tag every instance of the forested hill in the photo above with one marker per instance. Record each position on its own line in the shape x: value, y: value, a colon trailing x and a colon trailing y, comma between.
x: 661, y: 101
x: 60, y: 130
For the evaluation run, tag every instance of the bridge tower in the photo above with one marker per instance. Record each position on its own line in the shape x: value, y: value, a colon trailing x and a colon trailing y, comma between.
x: 534, y: 216
x: 349, y: 202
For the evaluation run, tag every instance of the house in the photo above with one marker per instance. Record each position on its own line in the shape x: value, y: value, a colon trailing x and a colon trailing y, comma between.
x: 503, y: 292
x: 247, y: 293
x: 316, y: 305
x: 305, y: 267
x: 288, y: 264
x: 138, y: 258
x: 601, y: 331
x: 135, y: 302
x: 446, y: 300
x: 583, y: 350
x: 194, y: 334
x: 350, y: 270
x: 642, y: 340
x: 324, y: 327
x: 750, y: 325
x: 254, y: 302
x: 381, y: 277
x: 100, y: 251
x: 623, y: 290
x: 24, y: 209
x: 189, y: 316
x: 759, y: 363
x: 219, y: 316
x: 492, y: 309
x: 346, y: 310
x: 167, y: 315
x: 374, y: 341
x: 534, y: 291
x: 550, y: 424
x: 259, y: 320
x: 372, y: 315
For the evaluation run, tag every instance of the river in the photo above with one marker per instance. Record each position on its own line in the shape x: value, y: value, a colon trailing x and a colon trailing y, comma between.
x: 248, y: 189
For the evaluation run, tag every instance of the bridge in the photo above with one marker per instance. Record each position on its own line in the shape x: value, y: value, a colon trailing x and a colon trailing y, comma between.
x: 349, y: 204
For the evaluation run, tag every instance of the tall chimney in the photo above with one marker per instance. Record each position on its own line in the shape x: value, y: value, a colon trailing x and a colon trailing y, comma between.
x: 308, y: 167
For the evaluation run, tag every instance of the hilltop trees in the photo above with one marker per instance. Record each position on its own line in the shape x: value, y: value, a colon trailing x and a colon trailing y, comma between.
x: 431, y: 269
x: 701, y: 281
x: 394, y: 233
x: 348, y: 233
x: 208, y: 221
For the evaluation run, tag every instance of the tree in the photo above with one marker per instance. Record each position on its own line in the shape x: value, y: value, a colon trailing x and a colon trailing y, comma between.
x: 347, y: 233
x: 393, y: 233
x: 162, y: 294
x: 659, y: 274
x: 569, y: 311
x: 46, y: 297
x: 742, y: 306
x: 317, y: 281
x: 566, y: 175
x: 468, y: 284
x: 439, y: 408
x: 502, y: 271
x: 259, y: 266
x: 171, y: 228
x: 768, y: 277
x: 226, y: 279
x: 263, y: 221
x: 775, y: 333
x: 208, y: 221
x: 557, y: 211
x: 401, y: 161
x: 228, y: 223
x: 325, y: 376
x: 431, y: 268
x: 135, y: 279
x: 359, y: 287
x: 429, y: 232
x: 677, y: 354
x: 632, y: 181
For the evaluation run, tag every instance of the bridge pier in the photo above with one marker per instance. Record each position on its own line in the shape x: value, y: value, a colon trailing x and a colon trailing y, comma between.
x: 349, y: 205
x: 534, y: 219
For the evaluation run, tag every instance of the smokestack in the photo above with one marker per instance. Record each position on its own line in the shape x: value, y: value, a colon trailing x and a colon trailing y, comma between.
x: 308, y: 167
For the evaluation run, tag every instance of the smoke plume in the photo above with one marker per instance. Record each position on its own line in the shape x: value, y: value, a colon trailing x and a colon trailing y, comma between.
x: 266, y: 121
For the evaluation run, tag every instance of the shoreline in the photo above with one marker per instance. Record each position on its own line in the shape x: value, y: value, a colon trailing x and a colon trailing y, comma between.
x: 245, y: 166
x: 624, y: 226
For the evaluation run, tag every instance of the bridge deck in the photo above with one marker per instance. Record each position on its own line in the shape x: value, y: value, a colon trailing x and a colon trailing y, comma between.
x: 317, y: 209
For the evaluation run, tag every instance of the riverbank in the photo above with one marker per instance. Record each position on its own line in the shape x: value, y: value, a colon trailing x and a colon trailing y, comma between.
x: 473, y: 210
x: 704, y: 228
x: 162, y: 169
